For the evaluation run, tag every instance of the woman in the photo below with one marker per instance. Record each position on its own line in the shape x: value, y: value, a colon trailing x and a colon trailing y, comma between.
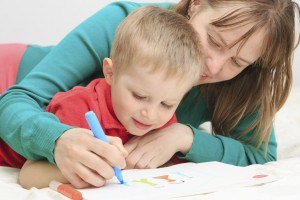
x: 248, y: 48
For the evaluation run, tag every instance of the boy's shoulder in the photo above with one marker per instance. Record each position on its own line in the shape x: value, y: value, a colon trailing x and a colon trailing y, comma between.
x: 78, y: 92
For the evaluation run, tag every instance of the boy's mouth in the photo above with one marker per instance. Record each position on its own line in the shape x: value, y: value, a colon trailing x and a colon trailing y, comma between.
x: 141, y: 125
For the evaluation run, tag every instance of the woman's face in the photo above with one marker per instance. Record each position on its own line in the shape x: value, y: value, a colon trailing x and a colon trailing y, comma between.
x: 221, y: 62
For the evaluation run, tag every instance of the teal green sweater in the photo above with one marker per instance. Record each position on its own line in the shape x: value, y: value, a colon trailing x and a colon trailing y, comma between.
x: 76, y: 60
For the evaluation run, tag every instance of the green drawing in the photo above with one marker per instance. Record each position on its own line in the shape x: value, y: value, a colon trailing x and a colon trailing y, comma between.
x: 145, y: 181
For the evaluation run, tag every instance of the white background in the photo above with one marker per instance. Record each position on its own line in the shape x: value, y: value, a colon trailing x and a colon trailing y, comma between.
x: 46, y: 22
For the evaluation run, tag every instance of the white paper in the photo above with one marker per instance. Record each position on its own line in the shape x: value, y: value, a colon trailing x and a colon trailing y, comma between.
x: 186, y: 179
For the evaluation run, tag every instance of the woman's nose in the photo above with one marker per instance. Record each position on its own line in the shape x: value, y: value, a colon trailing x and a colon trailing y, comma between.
x: 215, y: 63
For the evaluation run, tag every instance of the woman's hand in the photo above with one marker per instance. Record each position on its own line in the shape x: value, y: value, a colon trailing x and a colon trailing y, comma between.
x: 85, y: 160
x: 157, y: 147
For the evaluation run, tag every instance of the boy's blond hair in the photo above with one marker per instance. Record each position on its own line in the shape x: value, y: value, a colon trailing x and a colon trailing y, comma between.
x: 160, y: 39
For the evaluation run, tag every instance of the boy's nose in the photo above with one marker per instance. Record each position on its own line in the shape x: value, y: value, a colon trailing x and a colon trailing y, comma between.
x: 149, y: 113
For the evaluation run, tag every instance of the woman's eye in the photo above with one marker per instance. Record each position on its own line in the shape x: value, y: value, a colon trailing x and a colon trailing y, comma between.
x: 213, y: 42
x: 138, y: 97
x: 166, y: 105
x: 235, y: 62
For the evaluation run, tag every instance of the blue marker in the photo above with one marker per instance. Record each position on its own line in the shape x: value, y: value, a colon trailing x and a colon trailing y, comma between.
x: 98, y: 132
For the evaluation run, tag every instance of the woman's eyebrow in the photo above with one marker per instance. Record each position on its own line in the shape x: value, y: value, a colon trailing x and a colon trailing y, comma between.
x: 222, y: 39
x: 213, y: 29
x: 228, y: 46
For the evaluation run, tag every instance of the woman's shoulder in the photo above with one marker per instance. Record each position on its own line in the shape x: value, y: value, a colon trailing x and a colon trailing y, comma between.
x: 133, y: 5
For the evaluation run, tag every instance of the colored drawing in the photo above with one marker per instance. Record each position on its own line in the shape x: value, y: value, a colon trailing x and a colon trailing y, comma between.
x: 181, y: 174
x: 125, y: 183
x: 145, y: 181
x: 164, y: 177
x: 183, y: 180
x: 260, y: 176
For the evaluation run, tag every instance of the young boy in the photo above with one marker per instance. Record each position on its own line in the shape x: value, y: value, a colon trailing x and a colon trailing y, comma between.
x: 155, y: 60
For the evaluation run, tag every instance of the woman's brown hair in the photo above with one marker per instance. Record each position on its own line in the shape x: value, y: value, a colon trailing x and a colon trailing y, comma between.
x: 263, y: 87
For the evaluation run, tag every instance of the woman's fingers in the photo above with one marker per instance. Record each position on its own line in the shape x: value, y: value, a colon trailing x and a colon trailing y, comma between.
x: 110, y: 153
x: 144, y: 162
x: 141, y: 152
x: 84, y: 178
x: 90, y: 176
x: 133, y: 158
x: 85, y: 160
x: 117, y: 142
x: 97, y: 164
x: 131, y: 144
x: 76, y: 181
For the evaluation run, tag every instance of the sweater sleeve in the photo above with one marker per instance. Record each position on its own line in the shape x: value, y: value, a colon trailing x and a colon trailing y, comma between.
x: 232, y: 150
x: 76, y: 60
x: 207, y: 147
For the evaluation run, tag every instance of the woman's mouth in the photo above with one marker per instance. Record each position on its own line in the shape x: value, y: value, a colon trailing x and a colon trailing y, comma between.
x: 203, y: 77
x: 141, y: 125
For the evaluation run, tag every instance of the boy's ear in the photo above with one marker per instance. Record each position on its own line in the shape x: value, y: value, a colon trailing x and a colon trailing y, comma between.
x: 108, y: 70
x: 193, y: 6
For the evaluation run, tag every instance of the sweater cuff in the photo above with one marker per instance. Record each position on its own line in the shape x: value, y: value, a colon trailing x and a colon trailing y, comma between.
x: 51, y: 145
x: 205, y: 148
x: 47, y: 143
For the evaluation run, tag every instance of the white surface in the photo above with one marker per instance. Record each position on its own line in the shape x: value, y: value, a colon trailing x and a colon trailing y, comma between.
x: 46, y: 22
x: 287, y: 126
x: 188, y: 179
x: 287, y: 187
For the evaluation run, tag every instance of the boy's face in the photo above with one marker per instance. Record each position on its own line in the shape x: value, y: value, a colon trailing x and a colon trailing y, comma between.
x: 144, y: 100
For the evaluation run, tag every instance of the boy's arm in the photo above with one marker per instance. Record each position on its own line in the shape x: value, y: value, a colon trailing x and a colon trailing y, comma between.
x: 39, y: 174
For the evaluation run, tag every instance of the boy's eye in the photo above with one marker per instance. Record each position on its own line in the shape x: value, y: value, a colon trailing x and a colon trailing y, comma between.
x: 138, y: 97
x: 213, y: 42
x: 168, y: 106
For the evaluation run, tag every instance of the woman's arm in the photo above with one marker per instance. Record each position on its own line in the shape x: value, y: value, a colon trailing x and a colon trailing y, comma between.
x: 157, y: 148
x: 40, y: 173
x: 207, y: 147
x: 75, y: 60
x: 231, y: 150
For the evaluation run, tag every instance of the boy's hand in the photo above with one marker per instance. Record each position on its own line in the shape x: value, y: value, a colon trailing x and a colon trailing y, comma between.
x: 157, y: 147
x: 87, y: 161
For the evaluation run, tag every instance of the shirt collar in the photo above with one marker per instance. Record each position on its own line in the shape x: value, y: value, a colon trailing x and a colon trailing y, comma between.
x: 108, y: 116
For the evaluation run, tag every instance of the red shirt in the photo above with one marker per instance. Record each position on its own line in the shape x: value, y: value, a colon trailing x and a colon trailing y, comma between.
x: 10, y: 58
x: 70, y: 107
